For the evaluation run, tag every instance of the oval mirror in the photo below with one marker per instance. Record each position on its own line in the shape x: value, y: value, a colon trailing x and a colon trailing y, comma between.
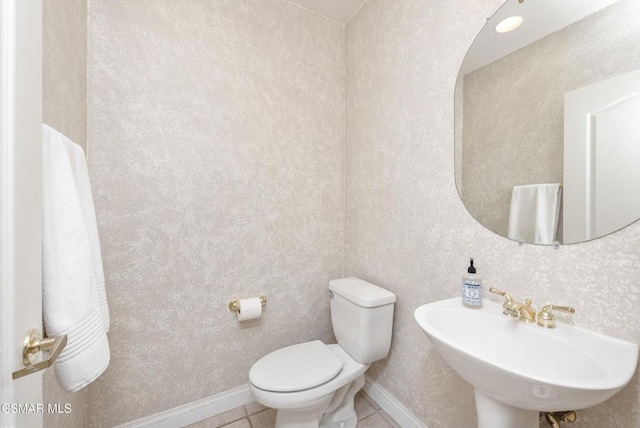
x: 547, y: 129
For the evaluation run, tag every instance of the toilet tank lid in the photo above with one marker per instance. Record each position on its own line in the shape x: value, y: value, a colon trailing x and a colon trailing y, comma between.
x: 361, y: 292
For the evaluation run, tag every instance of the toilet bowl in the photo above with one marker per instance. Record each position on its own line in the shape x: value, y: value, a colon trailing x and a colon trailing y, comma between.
x: 306, y: 402
x: 312, y: 384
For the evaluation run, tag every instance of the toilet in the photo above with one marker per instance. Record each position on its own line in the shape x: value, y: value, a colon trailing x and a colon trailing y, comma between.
x: 312, y: 384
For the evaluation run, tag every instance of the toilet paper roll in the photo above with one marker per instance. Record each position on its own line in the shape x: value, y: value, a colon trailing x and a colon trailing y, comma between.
x: 249, y: 309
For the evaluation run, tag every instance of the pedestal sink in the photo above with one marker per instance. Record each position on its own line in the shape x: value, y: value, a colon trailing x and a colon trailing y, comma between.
x: 520, y: 369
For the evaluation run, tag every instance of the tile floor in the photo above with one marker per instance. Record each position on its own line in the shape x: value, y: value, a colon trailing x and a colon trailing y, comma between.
x: 255, y: 415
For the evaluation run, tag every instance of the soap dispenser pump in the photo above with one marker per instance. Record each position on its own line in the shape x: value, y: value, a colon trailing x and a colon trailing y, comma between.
x: 471, y: 288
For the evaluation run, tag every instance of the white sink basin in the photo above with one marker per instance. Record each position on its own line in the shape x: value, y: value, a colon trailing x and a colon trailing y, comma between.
x: 524, y: 365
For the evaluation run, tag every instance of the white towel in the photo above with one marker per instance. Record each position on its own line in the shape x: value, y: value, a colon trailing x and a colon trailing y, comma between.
x: 534, y: 213
x: 70, y: 297
x: 81, y: 178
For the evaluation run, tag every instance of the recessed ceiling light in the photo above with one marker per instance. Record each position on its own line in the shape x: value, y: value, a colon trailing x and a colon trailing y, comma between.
x: 509, y: 24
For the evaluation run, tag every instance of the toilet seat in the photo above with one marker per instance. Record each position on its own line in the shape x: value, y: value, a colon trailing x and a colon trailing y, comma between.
x: 296, y: 368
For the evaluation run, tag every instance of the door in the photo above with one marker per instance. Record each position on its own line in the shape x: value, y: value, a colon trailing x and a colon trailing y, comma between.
x: 601, y: 157
x: 20, y: 205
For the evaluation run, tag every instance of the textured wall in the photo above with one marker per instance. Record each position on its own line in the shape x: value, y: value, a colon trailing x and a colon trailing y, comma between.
x: 514, y: 107
x: 407, y: 230
x: 216, y: 133
x: 64, y: 107
x: 64, y: 63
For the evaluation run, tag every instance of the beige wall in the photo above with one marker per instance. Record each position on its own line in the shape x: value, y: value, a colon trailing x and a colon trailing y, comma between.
x: 514, y: 107
x: 65, y: 108
x: 216, y: 134
x: 65, y: 67
x: 407, y: 230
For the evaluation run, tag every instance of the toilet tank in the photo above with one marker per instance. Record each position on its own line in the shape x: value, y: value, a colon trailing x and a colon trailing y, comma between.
x: 362, y: 318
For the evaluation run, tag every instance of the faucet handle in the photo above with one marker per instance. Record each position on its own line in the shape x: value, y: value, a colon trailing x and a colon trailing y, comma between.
x: 546, y: 318
x: 500, y: 293
x: 508, y: 302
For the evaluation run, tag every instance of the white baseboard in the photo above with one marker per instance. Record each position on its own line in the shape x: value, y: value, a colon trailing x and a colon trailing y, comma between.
x: 228, y: 400
x: 196, y: 411
x: 391, y: 405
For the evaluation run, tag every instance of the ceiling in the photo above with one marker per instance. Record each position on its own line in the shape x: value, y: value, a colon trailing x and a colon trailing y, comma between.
x: 541, y: 18
x: 338, y: 10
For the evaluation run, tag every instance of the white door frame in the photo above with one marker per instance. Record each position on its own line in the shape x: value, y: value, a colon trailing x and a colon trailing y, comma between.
x: 20, y: 202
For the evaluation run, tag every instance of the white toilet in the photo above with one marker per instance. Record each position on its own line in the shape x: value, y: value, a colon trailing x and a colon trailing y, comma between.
x: 312, y: 384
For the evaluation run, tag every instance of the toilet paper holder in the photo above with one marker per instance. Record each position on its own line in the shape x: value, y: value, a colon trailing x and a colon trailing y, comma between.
x: 234, y: 305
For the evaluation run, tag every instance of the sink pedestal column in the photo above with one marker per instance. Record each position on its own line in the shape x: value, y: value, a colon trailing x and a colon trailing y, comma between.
x: 494, y: 414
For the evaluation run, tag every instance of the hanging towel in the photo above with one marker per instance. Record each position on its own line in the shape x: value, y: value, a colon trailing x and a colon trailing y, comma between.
x: 78, y: 163
x: 534, y: 213
x: 71, y: 268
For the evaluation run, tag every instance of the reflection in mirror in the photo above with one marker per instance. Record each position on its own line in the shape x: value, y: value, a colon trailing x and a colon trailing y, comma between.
x: 566, y: 73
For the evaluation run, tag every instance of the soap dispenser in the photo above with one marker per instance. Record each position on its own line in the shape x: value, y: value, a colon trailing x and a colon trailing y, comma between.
x: 471, y: 288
